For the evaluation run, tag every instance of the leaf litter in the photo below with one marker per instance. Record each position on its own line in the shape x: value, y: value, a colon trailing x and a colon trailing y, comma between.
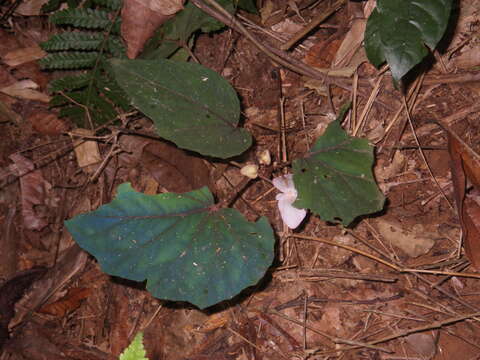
x: 313, y: 303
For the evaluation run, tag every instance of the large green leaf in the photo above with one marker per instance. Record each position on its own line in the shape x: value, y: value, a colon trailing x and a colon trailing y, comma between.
x: 397, y: 32
x: 186, y: 250
x: 335, y: 178
x: 192, y: 106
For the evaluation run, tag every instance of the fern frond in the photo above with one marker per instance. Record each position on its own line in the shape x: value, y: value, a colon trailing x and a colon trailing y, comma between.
x: 103, y: 110
x: 116, y: 47
x: 75, y: 113
x: 73, y: 41
x: 113, y: 92
x: 109, y: 4
x: 83, y: 18
x: 70, y: 82
x: 60, y: 100
x: 69, y: 60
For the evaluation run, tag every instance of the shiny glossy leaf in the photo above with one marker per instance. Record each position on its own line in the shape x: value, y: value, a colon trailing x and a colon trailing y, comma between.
x: 397, y: 32
x: 185, y: 249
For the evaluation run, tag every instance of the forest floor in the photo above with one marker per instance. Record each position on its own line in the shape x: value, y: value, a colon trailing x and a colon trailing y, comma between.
x: 318, y: 301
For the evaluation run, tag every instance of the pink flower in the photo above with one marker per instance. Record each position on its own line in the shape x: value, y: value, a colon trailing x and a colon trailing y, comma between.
x: 291, y: 216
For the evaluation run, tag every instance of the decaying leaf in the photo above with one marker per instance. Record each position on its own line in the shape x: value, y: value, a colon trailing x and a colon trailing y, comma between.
x: 46, y: 122
x: 25, y: 89
x: 86, y: 151
x: 464, y: 163
x: 173, y: 168
x: 70, y: 302
x: 141, y: 18
x: 24, y: 55
x: 35, y: 191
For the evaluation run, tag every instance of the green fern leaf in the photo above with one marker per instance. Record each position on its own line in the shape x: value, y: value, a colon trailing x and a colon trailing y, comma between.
x: 116, y: 47
x: 103, y: 110
x: 69, y: 60
x: 59, y: 100
x: 113, y: 92
x: 70, y: 82
x: 74, y: 113
x: 73, y: 41
x: 83, y: 18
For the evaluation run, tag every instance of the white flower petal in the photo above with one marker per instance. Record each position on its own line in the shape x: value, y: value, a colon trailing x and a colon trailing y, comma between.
x: 284, y: 183
x: 291, y: 216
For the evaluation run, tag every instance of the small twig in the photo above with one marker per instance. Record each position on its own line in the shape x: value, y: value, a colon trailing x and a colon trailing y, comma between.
x: 313, y: 24
x: 387, y: 263
x: 407, y: 110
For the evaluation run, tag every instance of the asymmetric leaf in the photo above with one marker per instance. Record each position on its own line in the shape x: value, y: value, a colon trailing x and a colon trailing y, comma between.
x: 335, y: 178
x: 397, y: 32
x: 185, y: 249
x: 192, y: 106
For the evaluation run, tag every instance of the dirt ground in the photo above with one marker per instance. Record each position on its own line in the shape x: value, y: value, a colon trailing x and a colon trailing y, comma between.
x: 401, y: 287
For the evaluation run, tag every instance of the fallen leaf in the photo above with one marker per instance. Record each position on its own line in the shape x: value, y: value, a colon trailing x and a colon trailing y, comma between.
x: 35, y: 191
x: 141, y: 18
x: 70, y: 302
x: 30, y: 7
x: 423, y: 344
x: 350, y: 44
x: 464, y: 164
x: 86, y: 151
x: 173, y: 168
x: 10, y: 292
x: 46, y: 122
x: 25, y: 89
x: 413, y: 242
x: 23, y: 55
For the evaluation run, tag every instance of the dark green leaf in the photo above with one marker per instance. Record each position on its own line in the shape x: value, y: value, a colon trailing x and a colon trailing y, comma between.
x: 69, y: 60
x: 191, y: 105
x: 185, y: 250
x: 335, y: 179
x: 80, y: 17
x: 247, y: 5
x: 178, y: 30
x: 73, y: 41
x: 70, y: 82
x: 397, y: 32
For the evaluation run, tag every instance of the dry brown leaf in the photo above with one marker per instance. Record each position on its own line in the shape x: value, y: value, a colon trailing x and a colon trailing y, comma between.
x: 141, y: 18
x: 70, y: 263
x: 70, y: 302
x: 24, y: 55
x: 465, y: 164
x: 86, y: 151
x: 350, y: 44
x: 47, y: 123
x: 35, y: 191
x: 30, y: 7
x: 173, y: 168
x: 25, y: 89
x: 414, y: 241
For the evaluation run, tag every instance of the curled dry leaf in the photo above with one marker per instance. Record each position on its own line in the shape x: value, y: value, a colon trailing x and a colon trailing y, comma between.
x: 464, y: 163
x: 141, y: 18
x: 70, y: 302
x: 35, y: 191
x: 46, y: 122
